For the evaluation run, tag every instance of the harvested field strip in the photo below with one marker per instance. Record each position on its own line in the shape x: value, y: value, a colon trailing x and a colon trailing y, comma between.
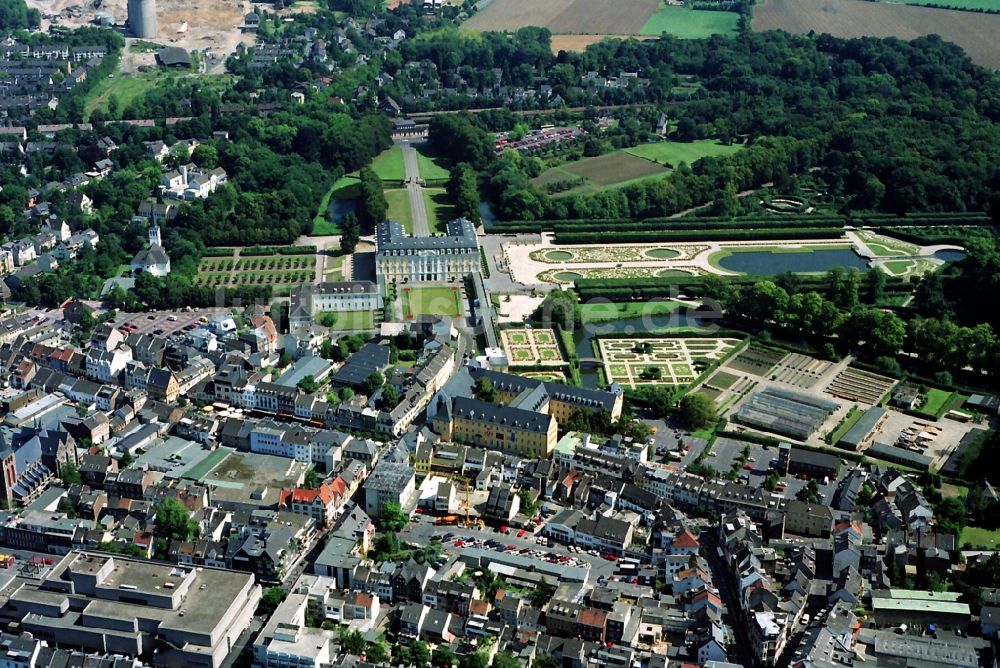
x: 974, y: 32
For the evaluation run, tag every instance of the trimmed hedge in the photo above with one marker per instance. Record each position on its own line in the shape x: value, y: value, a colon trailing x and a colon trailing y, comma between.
x: 278, y: 250
x: 699, y: 235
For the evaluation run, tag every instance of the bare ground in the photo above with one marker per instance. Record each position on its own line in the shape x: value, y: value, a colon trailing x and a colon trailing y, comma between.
x: 974, y: 32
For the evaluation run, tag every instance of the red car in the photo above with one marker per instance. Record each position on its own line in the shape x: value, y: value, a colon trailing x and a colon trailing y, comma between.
x: 748, y: 467
x: 459, y: 543
x: 419, y: 511
x: 520, y: 534
x: 609, y: 557
x: 503, y: 529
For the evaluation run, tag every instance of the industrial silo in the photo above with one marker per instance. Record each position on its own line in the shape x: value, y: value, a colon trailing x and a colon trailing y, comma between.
x: 142, y: 18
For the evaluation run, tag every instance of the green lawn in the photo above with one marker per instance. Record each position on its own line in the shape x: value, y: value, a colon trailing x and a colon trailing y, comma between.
x: 936, y: 402
x: 346, y: 320
x: 432, y: 301
x: 124, y: 88
x: 322, y: 225
x: 689, y: 23
x: 440, y: 210
x: 605, y: 312
x: 673, y: 153
x: 346, y: 187
x: 979, y: 537
x: 388, y: 165
x: 399, y: 208
x: 431, y: 168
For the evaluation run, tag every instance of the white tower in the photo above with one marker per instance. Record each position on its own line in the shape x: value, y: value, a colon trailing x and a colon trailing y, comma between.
x: 154, y: 235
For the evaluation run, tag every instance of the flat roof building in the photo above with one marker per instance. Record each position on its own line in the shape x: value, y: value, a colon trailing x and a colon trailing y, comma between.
x: 168, y: 615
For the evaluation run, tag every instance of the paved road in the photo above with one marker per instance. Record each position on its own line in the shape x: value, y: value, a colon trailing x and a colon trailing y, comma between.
x: 416, y: 193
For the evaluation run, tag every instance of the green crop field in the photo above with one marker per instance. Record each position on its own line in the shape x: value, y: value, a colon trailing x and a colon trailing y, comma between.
x: 689, y: 23
x: 601, y: 172
x: 388, y: 165
x: 399, y: 208
x: 446, y: 301
x: 673, y: 153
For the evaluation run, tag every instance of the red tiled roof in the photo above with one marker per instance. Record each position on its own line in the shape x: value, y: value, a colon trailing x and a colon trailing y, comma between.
x: 686, y: 539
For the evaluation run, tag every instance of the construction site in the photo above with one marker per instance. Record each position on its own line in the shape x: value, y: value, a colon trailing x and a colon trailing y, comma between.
x: 210, y: 28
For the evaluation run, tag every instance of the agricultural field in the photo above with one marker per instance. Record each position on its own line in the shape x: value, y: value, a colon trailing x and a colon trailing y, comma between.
x: 579, y: 43
x: 974, y: 32
x: 993, y: 5
x: 399, y: 208
x: 441, y: 301
x: 603, y: 171
x: 673, y: 153
x: 273, y: 270
x: 654, y: 361
x: 613, y: 17
x: 687, y: 23
x: 531, y: 347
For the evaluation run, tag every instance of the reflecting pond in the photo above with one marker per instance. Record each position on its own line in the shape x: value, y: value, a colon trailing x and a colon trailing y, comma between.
x: 760, y: 263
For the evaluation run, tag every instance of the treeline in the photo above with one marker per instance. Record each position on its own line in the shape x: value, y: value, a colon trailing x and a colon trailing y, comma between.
x: 372, y: 205
x: 872, y: 120
x: 726, y: 234
x: 15, y: 15
x: 636, y: 289
x: 463, y: 187
x: 773, y: 221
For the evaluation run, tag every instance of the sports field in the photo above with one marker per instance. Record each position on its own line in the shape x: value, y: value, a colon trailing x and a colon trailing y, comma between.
x: 673, y: 153
x: 443, y: 301
x: 975, y: 32
x: 687, y: 23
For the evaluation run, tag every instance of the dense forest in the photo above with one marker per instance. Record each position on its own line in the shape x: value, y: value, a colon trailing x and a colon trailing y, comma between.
x: 15, y: 15
x: 887, y: 125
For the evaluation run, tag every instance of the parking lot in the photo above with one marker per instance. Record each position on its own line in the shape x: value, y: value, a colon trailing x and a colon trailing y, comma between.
x: 163, y: 323
x: 423, y: 530
x: 726, y: 451
x: 668, y: 437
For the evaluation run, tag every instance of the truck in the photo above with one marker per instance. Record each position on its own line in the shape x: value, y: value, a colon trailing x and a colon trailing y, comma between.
x: 6, y: 560
x: 447, y: 520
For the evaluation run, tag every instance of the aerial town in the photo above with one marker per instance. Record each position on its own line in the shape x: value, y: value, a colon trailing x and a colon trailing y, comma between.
x: 458, y: 334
